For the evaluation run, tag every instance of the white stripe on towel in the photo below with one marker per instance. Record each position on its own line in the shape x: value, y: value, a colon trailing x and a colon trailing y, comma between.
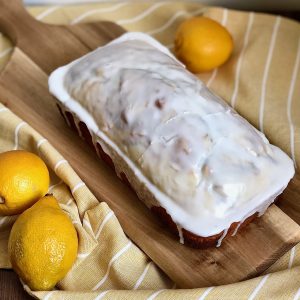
x: 266, y: 73
x: 155, y: 294
x: 144, y: 14
x: 172, y: 20
x: 289, y: 103
x: 47, y: 12
x: 215, y: 71
x: 20, y: 125
x: 105, y: 220
x: 207, y: 291
x: 96, y: 11
x: 259, y: 286
x: 114, y: 258
x: 240, y: 59
x: 59, y: 163
x: 5, y: 52
x: 77, y: 186
x: 141, y: 278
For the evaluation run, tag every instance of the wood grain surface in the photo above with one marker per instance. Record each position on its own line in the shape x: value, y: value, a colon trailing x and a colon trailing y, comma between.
x: 11, y: 288
x: 40, y: 48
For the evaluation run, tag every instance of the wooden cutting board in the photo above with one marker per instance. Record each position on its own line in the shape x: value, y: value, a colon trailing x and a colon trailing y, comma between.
x: 40, y: 48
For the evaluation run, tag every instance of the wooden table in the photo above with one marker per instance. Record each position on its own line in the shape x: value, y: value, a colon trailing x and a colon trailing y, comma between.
x: 10, y: 287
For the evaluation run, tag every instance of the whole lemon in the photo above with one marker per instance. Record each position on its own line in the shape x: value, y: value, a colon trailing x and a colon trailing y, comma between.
x: 24, y: 178
x: 202, y: 44
x: 43, y: 244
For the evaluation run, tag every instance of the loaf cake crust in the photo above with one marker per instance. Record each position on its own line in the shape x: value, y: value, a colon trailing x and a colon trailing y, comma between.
x: 185, y: 152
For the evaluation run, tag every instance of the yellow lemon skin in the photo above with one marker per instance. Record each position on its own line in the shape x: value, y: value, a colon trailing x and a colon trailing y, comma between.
x: 24, y: 178
x: 43, y: 244
x: 202, y: 44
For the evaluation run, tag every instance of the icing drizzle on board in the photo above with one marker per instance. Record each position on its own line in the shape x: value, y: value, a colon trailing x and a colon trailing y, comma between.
x: 220, y: 240
x: 205, y: 164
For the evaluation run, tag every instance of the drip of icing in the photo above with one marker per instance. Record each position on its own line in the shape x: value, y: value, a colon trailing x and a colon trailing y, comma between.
x: 181, y: 237
x: 77, y: 121
x: 220, y: 198
x: 237, y: 228
x: 263, y: 210
x: 220, y: 240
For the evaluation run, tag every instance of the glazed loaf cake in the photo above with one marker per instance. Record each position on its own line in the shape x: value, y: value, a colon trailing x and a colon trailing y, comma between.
x: 197, y: 164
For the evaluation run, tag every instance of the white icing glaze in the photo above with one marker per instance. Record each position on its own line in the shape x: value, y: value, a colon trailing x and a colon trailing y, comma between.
x: 237, y: 228
x: 180, y: 233
x: 263, y: 210
x: 220, y: 240
x: 204, y: 164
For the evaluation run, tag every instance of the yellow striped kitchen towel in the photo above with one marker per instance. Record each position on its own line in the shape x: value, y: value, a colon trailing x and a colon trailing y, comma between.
x: 261, y: 81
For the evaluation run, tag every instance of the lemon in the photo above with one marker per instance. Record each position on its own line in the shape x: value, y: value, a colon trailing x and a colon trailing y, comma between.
x: 24, y: 178
x: 43, y: 244
x: 202, y: 44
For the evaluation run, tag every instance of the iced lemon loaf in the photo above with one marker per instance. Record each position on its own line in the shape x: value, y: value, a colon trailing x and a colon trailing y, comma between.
x: 188, y: 155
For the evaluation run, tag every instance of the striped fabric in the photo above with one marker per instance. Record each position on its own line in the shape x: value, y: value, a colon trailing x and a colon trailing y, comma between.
x: 261, y: 81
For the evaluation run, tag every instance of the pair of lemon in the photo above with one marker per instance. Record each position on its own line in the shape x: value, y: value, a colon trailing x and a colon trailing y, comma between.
x: 43, y: 241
